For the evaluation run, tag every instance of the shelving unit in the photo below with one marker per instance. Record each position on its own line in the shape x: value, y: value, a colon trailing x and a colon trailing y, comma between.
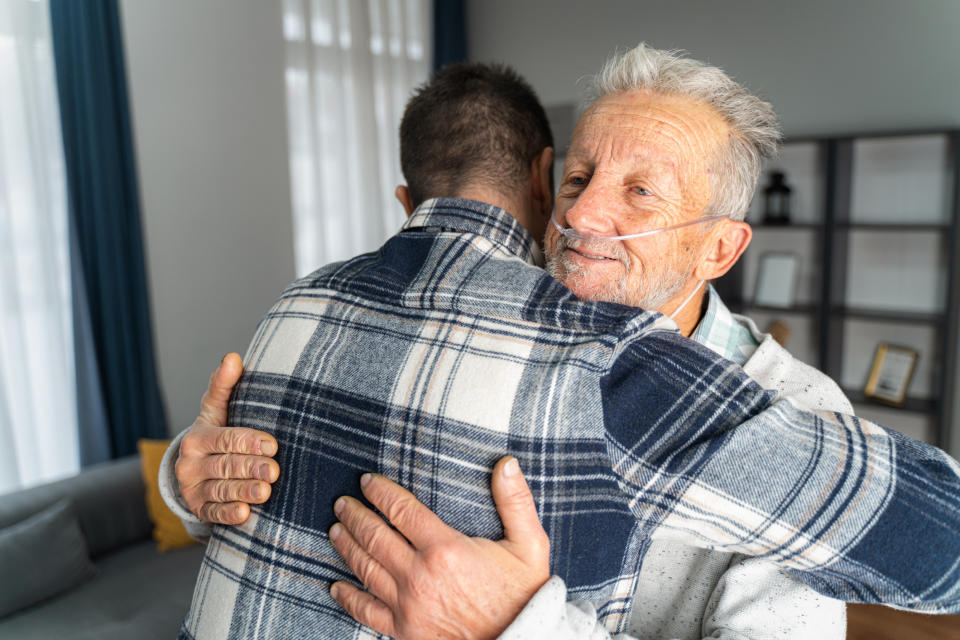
x: 878, y: 234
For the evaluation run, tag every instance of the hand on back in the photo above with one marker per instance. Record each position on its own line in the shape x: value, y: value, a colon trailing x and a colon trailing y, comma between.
x: 223, y: 470
x: 431, y: 581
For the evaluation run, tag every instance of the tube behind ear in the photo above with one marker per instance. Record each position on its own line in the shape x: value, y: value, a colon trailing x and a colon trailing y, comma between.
x: 729, y: 244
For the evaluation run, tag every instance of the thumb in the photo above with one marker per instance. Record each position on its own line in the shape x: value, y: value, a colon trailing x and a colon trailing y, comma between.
x: 213, y: 405
x: 521, y: 524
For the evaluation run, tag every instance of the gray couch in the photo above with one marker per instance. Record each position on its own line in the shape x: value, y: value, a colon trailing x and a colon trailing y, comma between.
x: 136, y: 592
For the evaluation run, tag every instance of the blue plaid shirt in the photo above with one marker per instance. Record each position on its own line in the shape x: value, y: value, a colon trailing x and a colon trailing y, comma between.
x: 432, y: 357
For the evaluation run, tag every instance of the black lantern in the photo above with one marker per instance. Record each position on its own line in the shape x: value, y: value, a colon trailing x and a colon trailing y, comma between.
x: 777, y: 200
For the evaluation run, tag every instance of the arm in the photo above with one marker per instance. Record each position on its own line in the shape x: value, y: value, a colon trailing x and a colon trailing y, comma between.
x: 211, y: 472
x: 418, y: 589
x: 838, y: 500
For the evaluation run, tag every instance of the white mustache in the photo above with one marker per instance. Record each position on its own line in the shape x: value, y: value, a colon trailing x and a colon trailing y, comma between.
x: 613, y: 250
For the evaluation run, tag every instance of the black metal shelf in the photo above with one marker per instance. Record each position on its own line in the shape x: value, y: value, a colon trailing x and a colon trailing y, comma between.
x: 794, y: 309
x: 890, y: 315
x: 793, y: 226
x: 831, y: 311
x: 899, y: 228
x: 857, y: 226
x: 927, y: 406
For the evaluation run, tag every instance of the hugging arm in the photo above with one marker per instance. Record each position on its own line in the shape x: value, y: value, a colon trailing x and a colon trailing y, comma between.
x: 713, y: 461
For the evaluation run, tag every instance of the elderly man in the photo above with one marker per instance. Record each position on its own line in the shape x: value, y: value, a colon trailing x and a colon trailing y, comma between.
x: 646, y: 158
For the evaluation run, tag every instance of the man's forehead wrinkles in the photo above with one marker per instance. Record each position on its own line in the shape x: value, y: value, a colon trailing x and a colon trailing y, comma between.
x: 686, y: 135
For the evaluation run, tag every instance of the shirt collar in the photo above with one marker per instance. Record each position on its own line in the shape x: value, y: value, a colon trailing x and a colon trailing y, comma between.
x: 470, y: 216
x: 719, y: 331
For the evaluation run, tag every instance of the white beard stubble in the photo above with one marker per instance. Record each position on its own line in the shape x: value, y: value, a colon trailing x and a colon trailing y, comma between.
x: 654, y: 290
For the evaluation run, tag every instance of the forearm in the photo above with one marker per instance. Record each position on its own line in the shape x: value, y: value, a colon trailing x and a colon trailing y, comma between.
x: 838, y: 500
x: 170, y: 492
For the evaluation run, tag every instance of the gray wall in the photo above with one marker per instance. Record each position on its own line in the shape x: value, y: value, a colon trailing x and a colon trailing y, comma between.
x: 826, y: 65
x: 207, y: 93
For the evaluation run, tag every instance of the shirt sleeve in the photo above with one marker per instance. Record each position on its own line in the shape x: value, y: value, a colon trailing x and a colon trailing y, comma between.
x: 550, y: 616
x: 710, y: 459
x: 170, y: 492
x: 756, y: 599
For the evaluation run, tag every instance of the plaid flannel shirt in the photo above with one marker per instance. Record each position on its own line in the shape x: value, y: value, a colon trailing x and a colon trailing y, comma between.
x: 434, y: 356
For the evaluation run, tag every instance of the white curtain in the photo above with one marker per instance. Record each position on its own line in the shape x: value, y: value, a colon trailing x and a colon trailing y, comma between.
x: 38, y: 425
x: 351, y: 66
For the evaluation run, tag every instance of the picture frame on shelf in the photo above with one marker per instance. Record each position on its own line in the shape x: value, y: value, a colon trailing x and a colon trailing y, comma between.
x: 890, y: 375
x: 776, y: 280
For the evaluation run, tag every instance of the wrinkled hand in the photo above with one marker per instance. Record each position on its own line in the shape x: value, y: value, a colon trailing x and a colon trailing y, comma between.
x: 221, y: 469
x: 440, y: 584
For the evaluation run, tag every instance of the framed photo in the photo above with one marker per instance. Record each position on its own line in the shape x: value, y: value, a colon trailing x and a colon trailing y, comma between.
x: 776, y: 280
x: 891, y: 373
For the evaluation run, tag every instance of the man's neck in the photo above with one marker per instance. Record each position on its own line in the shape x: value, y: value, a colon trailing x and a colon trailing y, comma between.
x: 513, y: 203
x: 692, y: 313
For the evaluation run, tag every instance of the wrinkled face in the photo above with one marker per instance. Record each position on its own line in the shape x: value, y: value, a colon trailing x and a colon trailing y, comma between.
x: 637, y: 162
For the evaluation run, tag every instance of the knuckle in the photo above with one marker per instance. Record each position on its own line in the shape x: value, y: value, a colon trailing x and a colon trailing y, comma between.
x: 225, y: 440
x: 399, y: 510
x: 180, y: 470
x: 372, y: 536
x: 247, y: 467
x: 206, y: 512
x: 220, y: 466
x: 541, y: 545
x: 238, y: 513
x: 365, y: 569
x: 188, y: 446
x: 441, y: 558
x: 219, y: 491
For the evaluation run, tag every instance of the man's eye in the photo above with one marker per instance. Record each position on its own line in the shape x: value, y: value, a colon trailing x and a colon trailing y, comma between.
x: 640, y: 191
x: 577, y: 181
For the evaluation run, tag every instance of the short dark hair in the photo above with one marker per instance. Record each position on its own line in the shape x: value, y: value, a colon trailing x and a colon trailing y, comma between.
x: 471, y: 122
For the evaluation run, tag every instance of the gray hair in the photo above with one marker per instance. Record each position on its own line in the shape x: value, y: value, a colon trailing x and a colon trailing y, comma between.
x: 756, y: 132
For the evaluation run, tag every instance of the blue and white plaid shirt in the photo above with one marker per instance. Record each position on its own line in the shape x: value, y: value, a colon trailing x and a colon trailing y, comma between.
x: 431, y: 358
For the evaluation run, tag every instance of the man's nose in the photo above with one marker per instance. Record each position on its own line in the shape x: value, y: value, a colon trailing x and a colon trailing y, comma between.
x: 593, y: 213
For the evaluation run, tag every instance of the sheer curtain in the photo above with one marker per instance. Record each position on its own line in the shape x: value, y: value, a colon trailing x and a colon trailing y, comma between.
x: 351, y: 65
x: 38, y: 429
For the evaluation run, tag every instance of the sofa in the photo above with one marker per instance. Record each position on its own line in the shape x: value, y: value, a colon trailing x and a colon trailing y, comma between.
x: 131, y: 590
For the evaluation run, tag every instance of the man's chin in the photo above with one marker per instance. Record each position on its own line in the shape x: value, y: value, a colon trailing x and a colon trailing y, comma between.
x: 589, y: 291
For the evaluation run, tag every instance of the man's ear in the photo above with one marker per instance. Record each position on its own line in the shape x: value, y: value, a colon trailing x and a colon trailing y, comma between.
x: 541, y: 171
x: 728, y: 242
x: 403, y: 195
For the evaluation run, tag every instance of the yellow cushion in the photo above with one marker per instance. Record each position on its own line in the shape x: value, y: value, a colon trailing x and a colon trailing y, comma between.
x: 168, y: 531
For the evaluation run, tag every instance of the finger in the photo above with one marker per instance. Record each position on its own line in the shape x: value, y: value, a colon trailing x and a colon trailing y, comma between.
x: 202, y: 440
x: 518, y: 511
x: 224, y: 513
x: 371, y: 573
x: 411, y: 517
x: 374, y: 535
x: 239, y: 467
x: 213, y: 405
x: 363, y: 608
x: 249, y: 491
